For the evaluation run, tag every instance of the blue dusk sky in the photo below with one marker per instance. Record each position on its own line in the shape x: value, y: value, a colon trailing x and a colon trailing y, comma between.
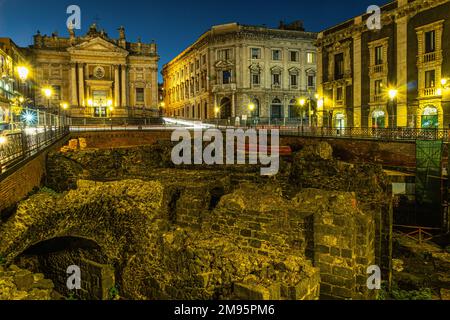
x: 174, y: 25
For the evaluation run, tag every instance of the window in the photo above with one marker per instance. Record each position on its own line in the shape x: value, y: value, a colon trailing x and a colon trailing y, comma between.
x: 276, y: 79
x: 226, y: 76
x: 379, y: 55
x: 276, y: 55
x: 224, y: 54
x: 204, y: 59
x: 276, y: 109
x: 293, y: 56
x: 430, y: 41
x: 310, y: 57
x: 197, y: 64
x: 192, y: 67
x: 139, y: 94
x: 378, y: 87
x: 256, y: 53
x: 256, y: 79
x: 294, y: 80
x: 56, y: 92
x: 311, y: 81
x: 339, y: 94
x: 430, y: 79
x: 339, y: 66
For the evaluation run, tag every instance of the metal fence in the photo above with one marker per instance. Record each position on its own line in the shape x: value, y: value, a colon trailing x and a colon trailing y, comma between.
x: 297, y: 127
x: 16, y: 147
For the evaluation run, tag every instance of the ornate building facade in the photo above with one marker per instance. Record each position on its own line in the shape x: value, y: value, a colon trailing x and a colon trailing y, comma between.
x: 393, y: 77
x: 14, y: 91
x: 96, y: 76
x: 232, y: 67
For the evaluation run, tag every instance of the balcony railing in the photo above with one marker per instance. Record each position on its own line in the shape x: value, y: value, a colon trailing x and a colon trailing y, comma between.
x: 430, y: 92
x: 429, y: 57
x: 380, y: 68
x: 377, y: 98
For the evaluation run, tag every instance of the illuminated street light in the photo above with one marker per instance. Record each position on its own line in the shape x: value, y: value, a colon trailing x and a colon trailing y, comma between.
x: 23, y: 73
x: 444, y: 82
x: 90, y: 102
x: 48, y: 92
x: 3, y: 140
x: 320, y: 103
x: 251, y: 107
x: 302, y: 102
x: 110, y: 103
x: 393, y: 93
x: 64, y: 105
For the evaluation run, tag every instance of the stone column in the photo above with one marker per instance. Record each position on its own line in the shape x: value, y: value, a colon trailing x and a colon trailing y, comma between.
x: 116, y: 87
x: 73, y: 85
x: 81, y: 85
x: 233, y: 106
x: 402, y: 68
x: 124, y: 86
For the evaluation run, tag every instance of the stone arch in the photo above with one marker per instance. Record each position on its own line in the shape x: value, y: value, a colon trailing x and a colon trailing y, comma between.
x: 430, y: 116
x: 118, y: 216
x: 340, y: 120
x: 379, y: 117
x: 225, y: 108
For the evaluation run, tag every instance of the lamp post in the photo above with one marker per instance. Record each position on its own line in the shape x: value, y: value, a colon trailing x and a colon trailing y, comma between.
x: 251, y: 109
x: 111, y: 110
x: 393, y: 93
x: 302, y: 103
x: 48, y: 92
x: 216, y: 113
x: 62, y: 115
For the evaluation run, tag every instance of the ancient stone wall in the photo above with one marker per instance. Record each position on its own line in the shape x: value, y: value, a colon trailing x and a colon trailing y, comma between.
x: 394, y: 154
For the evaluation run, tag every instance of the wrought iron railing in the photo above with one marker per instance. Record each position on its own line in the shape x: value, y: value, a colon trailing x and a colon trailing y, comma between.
x: 16, y: 147
x: 297, y: 127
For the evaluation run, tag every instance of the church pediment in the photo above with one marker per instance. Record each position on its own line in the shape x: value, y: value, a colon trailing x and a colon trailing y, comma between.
x: 98, y: 46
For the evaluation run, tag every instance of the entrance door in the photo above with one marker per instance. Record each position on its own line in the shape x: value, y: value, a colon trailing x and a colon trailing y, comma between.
x: 430, y: 119
x: 100, y: 101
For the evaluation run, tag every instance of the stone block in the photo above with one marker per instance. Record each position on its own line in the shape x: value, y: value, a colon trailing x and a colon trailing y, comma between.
x: 23, y: 280
x: 343, y: 272
x: 255, y: 243
x: 250, y: 292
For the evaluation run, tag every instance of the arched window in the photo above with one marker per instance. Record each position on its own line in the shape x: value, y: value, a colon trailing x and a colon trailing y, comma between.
x: 225, y: 108
x: 379, y: 119
x: 276, y: 109
x: 430, y: 118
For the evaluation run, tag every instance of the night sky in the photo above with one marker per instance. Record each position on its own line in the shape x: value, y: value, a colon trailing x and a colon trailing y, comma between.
x: 172, y: 24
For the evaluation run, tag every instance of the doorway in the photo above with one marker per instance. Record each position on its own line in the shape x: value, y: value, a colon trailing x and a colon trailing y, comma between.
x: 100, y: 101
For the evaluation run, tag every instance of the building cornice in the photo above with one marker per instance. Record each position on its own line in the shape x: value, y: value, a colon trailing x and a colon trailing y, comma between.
x: 407, y: 11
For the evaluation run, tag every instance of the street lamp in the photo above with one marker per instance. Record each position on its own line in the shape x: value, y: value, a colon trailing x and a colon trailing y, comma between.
x: 393, y: 94
x: 48, y: 92
x: 23, y: 73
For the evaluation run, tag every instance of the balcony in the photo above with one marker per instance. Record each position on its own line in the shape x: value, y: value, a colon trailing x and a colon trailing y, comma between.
x: 377, y: 69
x: 377, y: 98
x: 429, y: 57
x: 224, y: 87
x: 431, y: 92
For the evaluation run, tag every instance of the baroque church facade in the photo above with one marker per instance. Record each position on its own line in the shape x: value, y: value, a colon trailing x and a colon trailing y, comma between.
x: 94, y: 75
